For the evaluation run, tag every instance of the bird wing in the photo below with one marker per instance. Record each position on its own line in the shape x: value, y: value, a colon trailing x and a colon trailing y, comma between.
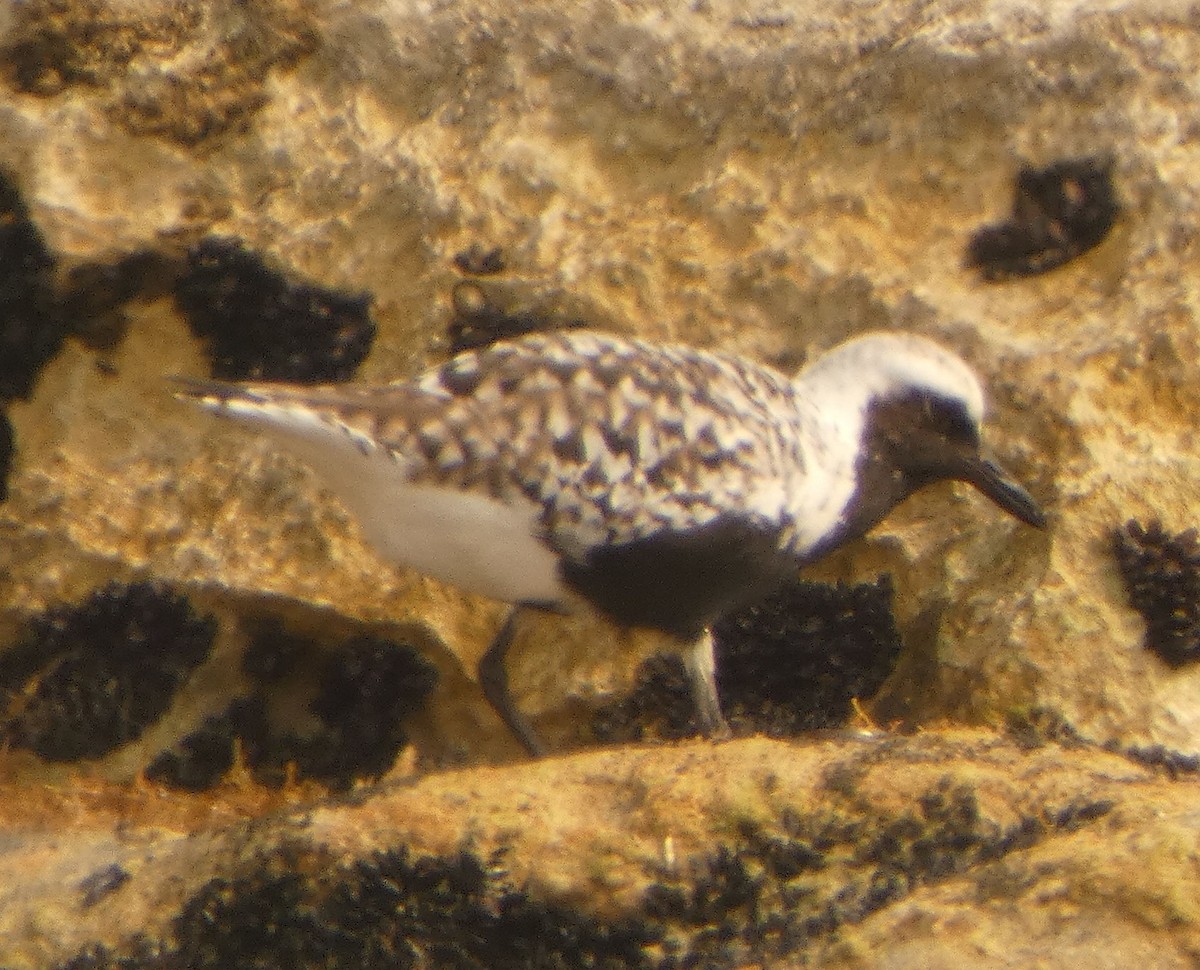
x: 613, y: 439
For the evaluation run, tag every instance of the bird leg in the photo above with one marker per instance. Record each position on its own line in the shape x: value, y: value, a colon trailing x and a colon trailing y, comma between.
x: 701, y: 666
x: 493, y: 679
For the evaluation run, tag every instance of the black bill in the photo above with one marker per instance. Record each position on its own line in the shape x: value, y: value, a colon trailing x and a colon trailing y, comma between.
x: 997, y: 485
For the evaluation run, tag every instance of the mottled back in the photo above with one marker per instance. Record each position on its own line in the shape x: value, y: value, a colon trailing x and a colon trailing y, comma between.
x: 613, y: 439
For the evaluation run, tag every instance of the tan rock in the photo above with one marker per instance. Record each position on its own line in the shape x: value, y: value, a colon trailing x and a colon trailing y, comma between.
x: 840, y: 852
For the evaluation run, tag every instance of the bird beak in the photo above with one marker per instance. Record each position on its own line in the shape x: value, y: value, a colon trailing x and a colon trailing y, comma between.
x: 1000, y: 487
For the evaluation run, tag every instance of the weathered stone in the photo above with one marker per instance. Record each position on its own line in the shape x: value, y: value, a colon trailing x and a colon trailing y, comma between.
x: 850, y: 851
x: 766, y: 182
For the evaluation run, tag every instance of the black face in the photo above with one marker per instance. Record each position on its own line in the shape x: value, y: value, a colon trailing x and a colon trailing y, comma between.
x: 919, y: 439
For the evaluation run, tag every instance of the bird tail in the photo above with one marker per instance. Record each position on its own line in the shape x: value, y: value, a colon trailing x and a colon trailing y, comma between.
x: 316, y: 421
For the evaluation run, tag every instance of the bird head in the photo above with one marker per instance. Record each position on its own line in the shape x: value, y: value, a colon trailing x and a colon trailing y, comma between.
x: 911, y: 413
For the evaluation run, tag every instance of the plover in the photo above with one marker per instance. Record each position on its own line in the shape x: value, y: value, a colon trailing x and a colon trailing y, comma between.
x: 658, y: 485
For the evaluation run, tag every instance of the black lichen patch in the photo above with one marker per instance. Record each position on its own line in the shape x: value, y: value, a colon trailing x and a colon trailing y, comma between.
x: 1173, y: 763
x: 201, y: 759
x: 483, y: 316
x: 352, y: 727
x: 768, y: 895
x: 391, y: 911
x: 7, y: 450
x: 260, y: 325
x: 764, y: 896
x: 1162, y: 577
x: 103, y: 882
x: 86, y: 679
x: 93, y: 296
x: 794, y: 662
x: 31, y: 326
x: 55, y: 44
x: 476, y: 260
x: 788, y: 665
x: 660, y: 706
x: 1058, y: 213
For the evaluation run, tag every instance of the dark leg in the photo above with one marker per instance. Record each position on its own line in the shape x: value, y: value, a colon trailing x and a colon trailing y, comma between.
x: 493, y: 679
x: 701, y: 666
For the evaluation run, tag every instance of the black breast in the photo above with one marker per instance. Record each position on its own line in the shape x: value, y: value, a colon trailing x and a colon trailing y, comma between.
x: 680, y: 582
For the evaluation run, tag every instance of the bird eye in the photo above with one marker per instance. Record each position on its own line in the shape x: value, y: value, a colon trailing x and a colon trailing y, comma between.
x: 950, y: 418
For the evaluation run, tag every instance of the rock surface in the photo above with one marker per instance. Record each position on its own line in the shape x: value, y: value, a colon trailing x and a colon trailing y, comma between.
x: 765, y: 181
x: 837, y: 852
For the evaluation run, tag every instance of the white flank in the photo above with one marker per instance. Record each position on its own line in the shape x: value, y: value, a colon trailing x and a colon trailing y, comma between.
x: 463, y: 538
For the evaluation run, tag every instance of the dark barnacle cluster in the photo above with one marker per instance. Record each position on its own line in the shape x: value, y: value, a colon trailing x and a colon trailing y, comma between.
x: 762, y: 898
x: 660, y: 706
x: 1058, y: 213
x: 260, y: 325
x: 795, y: 661
x: 370, y: 686
x: 393, y: 911
x: 31, y: 328
x: 202, y: 758
x: 790, y: 664
x: 1162, y: 578
x: 774, y: 891
x: 86, y: 679
x: 353, y: 724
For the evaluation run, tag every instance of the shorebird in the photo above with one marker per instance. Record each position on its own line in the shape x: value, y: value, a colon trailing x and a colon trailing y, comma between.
x: 659, y: 485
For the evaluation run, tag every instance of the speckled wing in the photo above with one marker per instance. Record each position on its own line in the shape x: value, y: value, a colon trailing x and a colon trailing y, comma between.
x: 614, y: 439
